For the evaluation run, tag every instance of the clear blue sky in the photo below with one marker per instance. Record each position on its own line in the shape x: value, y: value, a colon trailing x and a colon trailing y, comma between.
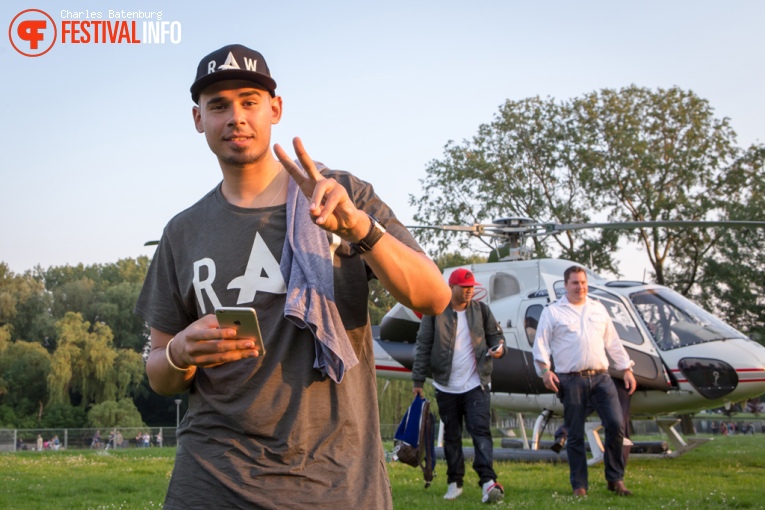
x: 99, y: 148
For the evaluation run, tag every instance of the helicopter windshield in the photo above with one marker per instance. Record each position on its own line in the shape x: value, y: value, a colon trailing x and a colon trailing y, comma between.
x: 674, y: 322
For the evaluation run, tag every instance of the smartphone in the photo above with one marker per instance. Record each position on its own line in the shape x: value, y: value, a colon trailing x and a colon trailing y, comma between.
x: 245, y: 321
x: 493, y: 350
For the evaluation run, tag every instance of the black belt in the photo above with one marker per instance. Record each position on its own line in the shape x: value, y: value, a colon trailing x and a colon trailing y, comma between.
x: 586, y: 373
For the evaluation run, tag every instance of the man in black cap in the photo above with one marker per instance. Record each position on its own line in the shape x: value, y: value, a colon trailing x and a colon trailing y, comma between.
x: 457, y: 349
x: 298, y: 426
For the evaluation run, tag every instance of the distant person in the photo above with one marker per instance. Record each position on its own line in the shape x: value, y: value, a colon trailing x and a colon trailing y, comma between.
x: 299, y: 426
x: 159, y: 439
x: 96, y: 442
x: 56, y: 443
x: 119, y: 439
x: 146, y: 438
x: 39, y: 443
x: 458, y: 348
x: 577, y: 333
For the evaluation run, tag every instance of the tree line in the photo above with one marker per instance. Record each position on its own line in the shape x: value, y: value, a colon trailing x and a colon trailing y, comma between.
x: 72, y: 353
x: 70, y: 347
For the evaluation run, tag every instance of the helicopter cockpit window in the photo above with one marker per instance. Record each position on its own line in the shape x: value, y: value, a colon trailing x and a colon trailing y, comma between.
x: 625, y: 326
x: 504, y: 285
x: 674, y: 322
x: 531, y: 321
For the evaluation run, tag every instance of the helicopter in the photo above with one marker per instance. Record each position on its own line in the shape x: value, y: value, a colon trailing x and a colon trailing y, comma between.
x: 685, y: 359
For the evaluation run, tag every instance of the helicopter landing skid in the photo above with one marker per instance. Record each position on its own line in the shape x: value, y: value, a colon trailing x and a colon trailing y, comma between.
x: 667, y: 425
x: 591, y: 429
x: 539, y: 426
x: 679, y: 445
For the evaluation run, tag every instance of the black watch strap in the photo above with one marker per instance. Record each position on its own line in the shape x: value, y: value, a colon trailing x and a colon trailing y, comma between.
x: 376, y: 231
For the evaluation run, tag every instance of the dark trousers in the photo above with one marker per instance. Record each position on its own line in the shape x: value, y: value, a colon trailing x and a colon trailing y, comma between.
x: 474, y: 407
x: 599, y: 391
x: 624, y: 403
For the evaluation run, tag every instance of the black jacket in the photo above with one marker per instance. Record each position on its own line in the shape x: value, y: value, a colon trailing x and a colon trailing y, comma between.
x: 436, y: 338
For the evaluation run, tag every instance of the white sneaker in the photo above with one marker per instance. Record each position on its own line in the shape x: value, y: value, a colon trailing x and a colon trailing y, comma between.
x: 453, y: 492
x: 492, y: 492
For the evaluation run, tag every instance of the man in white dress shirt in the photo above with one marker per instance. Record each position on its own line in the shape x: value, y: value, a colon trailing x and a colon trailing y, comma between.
x: 577, y: 332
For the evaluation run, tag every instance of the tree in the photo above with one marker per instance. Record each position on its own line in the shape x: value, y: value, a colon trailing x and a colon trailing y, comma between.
x: 648, y: 155
x: 454, y: 259
x: 109, y: 414
x: 24, y: 305
x: 63, y: 416
x: 732, y: 280
x: 86, y: 363
x: 24, y: 368
x: 515, y: 166
x: 115, y: 308
x: 633, y: 154
x: 102, y: 293
x: 380, y: 302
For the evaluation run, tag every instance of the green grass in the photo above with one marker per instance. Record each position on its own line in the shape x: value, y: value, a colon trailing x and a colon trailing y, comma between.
x: 728, y: 472
x: 85, y: 479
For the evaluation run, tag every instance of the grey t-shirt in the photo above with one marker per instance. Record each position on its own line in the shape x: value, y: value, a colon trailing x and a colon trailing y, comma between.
x: 269, y: 432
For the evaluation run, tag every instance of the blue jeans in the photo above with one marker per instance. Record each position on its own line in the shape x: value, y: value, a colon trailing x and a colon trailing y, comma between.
x: 474, y: 407
x: 624, y: 402
x: 599, y: 391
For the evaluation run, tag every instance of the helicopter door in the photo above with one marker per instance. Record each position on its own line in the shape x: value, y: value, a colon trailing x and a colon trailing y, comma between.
x: 648, y: 370
x: 530, y: 322
x: 511, y: 373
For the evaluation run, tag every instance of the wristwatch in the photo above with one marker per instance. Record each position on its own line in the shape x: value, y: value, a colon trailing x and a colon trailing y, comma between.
x: 376, y: 231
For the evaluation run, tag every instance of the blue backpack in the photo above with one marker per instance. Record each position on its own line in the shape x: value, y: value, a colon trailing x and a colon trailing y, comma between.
x: 414, y: 441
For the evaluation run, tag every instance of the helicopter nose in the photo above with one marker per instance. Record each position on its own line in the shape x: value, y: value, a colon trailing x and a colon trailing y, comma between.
x: 714, y: 378
x: 400, y: 324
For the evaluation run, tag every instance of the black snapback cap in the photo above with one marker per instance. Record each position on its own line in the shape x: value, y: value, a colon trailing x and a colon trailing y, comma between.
x: 232, y: 62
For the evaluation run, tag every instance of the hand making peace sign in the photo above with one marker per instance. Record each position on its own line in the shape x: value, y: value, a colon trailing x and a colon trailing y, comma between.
x: 330, y: 206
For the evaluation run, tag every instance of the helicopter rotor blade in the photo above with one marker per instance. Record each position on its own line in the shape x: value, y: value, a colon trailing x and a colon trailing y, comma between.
x: 537, y: 229
x: 477, y: 229
x: 551, y: 228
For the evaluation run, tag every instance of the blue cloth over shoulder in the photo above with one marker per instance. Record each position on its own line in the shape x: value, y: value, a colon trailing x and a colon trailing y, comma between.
x: 306, y: 266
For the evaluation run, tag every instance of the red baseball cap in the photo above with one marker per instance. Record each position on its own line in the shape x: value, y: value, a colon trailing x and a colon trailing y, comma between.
x: 462, y: 277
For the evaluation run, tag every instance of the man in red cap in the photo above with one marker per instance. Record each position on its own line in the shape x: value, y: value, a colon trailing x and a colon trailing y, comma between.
x: 457, y: 349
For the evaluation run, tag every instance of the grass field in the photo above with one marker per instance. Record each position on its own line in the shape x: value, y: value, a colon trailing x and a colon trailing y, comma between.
x: 728, y: 472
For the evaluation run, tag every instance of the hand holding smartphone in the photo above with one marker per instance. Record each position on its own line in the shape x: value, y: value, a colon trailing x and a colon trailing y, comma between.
x: 245, y: 321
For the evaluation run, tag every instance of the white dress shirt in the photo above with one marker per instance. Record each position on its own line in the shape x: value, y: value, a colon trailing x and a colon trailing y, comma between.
x: 578, y: 337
